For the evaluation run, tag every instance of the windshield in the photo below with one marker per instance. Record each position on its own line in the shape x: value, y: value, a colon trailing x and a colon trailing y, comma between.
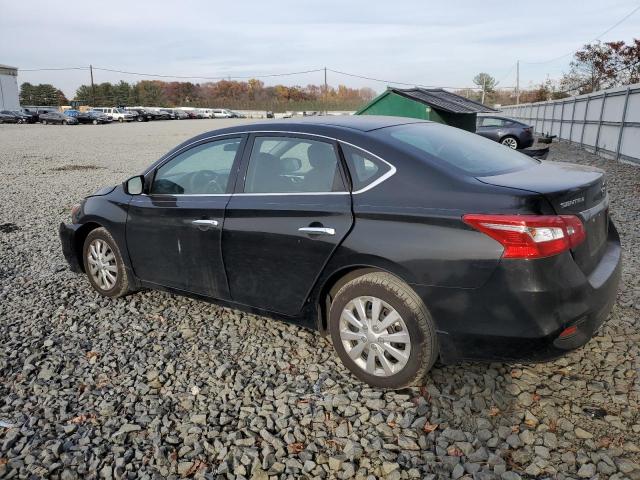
x: 471, y: 153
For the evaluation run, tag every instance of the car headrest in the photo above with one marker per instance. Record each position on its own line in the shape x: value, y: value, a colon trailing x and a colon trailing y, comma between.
x: 321, y: 156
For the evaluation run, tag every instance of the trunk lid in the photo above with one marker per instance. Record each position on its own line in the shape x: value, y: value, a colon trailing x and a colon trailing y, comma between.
x: 571, y: 190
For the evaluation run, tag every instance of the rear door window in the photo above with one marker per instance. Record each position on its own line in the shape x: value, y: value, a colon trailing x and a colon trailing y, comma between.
x: 292, y: 165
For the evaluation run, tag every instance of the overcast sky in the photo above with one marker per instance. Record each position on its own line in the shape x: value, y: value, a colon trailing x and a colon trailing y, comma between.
x: 440, y: 43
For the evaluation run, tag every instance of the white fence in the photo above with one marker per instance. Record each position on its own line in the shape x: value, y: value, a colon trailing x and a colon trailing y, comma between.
x: 605, y: 122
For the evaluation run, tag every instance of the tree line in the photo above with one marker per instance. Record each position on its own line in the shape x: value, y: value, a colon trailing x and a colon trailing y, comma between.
x: 249, y: 95
x: 42, y: 94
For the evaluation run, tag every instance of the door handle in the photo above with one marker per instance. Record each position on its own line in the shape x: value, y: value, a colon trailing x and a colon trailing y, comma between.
x: 317, y: 230
x: 205, y: 224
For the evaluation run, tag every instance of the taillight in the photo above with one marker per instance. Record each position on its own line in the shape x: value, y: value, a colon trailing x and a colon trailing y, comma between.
x: 530, y: 236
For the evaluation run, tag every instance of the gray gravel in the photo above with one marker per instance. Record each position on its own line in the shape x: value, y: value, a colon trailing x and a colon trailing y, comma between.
x: 155, y: 386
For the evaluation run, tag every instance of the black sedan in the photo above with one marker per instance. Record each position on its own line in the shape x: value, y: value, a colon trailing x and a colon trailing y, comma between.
x: 57, y: 118
x: 19, y: 117
x: 510, y: 133
x: 93, y: 117
x: 406, y: 241
x: 7, y: 116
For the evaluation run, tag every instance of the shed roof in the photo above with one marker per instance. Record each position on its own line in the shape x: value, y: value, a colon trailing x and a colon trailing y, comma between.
x: 442, y: 100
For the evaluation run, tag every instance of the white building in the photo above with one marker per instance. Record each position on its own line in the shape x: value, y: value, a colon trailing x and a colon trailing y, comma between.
x: 9, y: 88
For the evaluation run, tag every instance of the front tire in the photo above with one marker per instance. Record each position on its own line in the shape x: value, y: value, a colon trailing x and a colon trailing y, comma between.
x: 382, y: 331
x: 103, y: 264
x: 121, y: 120
x: 44, y: 122
x: 511, y: 142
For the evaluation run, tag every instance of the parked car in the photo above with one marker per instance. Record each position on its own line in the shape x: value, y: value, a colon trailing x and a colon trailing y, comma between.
x: 171, y: 113
x: 142, y: 115
x: 508, y: 132
x: 8, y: 117
x: 71, y: 112
x: 269, y: 114
x: 27, y: 117
x: 17, y: 115
x: 95, y: 118
x: 57, y: 118
x: 221, y: 113
x: 35, y: 112
x: 181, y: 114
x: 417, y: 241
x: 119, y: 114
x: 161, y: 115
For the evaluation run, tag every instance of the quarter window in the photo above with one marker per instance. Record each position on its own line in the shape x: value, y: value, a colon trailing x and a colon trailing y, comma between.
x: 364, y: 168
x: 204, y: 169
x: 292, y: 165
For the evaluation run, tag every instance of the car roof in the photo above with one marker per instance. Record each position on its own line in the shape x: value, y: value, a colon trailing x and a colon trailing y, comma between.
x: 359, y: 123
x: 364, y: 123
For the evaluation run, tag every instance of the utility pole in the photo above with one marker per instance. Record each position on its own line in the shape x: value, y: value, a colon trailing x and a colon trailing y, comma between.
x: 93, y: 88
x: 484, y: 86
x: 325, y: 90
x: 517, y: 82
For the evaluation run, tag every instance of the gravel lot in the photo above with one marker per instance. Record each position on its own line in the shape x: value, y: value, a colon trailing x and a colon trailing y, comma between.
x: 155, y: 386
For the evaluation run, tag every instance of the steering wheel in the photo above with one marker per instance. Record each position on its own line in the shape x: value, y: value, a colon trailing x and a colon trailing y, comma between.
x: 205, y: 181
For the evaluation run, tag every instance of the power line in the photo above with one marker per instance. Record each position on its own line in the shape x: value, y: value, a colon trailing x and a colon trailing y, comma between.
x: 52, y: 69
x: 400, y: 83
x: 507, y: 74
x: 592, y: 40
x: 207, y: 78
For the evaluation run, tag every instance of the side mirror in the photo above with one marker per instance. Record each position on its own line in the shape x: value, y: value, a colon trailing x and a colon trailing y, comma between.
x: 134, y: 185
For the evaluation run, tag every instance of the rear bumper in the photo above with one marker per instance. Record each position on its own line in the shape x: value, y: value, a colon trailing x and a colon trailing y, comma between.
x: 525, y: 141
x: 67, y: 234
x: 520, y: 312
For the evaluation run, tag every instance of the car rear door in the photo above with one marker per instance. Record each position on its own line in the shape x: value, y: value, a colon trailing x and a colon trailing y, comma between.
x: 291, y: 209
x: 174, y: 228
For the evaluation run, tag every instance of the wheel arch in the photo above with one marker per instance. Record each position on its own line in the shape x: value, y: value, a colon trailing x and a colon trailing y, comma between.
x: 336, y: 280
x: 80, y: 237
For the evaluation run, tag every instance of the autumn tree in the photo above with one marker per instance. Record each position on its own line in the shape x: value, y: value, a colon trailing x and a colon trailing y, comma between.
x: 598, y: 66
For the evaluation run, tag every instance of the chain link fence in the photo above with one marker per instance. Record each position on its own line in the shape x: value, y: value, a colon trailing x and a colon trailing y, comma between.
x: 605, y: 122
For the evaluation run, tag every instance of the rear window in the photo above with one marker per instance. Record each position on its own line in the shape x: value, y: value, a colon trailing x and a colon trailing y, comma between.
x: 465, y: 151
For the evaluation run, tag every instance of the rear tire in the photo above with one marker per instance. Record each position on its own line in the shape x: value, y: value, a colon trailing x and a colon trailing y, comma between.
x: 511, y: 142
x: 121, y: 120
x: 95, y: 122
x: 103, y: 264
x: 395, y: 344
x: 44, y: 122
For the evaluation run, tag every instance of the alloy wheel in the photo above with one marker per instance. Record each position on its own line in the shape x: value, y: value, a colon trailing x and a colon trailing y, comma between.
x: 375, y: 336
x: 102, y: 264
x: 510, y: 142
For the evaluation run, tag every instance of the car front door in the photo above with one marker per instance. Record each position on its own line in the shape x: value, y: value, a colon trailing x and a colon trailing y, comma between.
x: 174, y: 228
x: 291, y: 209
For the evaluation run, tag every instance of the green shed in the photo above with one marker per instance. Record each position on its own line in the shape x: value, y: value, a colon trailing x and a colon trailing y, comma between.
x: 433, y: 104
